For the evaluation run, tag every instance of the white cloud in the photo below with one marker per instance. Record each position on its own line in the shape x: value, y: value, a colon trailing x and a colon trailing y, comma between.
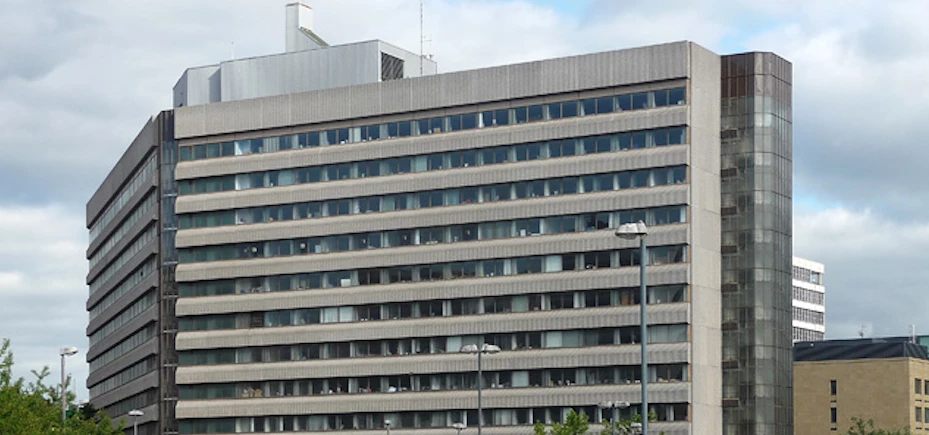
x: 875, y: 269
x: 41, y: 285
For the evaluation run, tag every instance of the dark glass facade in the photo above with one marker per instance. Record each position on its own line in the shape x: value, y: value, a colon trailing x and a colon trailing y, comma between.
x: 169, y: 289
x: 756, y: 172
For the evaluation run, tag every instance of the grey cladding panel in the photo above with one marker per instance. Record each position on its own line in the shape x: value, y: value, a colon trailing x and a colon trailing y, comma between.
x: 662, y: 353
x: 616, y: 68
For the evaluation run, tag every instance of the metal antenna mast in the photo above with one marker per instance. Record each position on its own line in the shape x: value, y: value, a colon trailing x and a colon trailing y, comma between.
x: 422, y: 38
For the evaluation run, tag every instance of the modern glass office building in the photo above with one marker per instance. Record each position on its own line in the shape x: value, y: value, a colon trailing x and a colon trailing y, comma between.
x: 340, y: 237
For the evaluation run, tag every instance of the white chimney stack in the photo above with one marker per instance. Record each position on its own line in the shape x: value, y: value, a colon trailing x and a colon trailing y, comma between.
x: 299, y: 32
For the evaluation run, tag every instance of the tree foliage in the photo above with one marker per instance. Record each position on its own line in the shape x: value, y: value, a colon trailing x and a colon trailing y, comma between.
x: 34, y: 408
x: 575, y: 424
x: 866, y: 427
x: 624, y: 427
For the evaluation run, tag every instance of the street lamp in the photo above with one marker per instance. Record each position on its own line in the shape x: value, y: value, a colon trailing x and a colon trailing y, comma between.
x: 65, y: 351
x: 387, y: 425
x: 459, y: 427
x: 488, y: 349
x: 630, y: 232
x: 612, y: 406
x: 135, y: 414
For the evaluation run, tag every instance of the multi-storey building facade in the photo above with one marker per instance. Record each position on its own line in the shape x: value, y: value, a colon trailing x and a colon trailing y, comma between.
x: 809, y: 300
x: 131, y: 292
x: 838, y: 380
x: 347, y: 221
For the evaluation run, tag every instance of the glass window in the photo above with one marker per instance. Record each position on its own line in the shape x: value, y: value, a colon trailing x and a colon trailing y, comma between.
x: 569, y: 109
x: 553, y: 111
x: 677, y: 96
x: 535, y: 113
x: 469, y: 121
x: 661, y: 98
x: 588, y: 107
x: 625, y: 102
x: 501, y: 117
x: 605, y: 105
x: 640, y: 100
x: 521, y: 115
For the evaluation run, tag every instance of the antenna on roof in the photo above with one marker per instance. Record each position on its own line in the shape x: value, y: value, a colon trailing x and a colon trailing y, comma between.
x: 422, y: 36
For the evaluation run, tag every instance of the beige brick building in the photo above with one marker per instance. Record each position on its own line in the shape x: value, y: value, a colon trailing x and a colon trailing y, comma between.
x: 883, y: 380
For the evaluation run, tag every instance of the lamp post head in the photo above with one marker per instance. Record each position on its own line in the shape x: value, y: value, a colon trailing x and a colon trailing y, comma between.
x: 621, y: 405
x: 605, y: 405
x: 459, y: 426
x: 136, y: 413
x: 387, y: 423
x: 486, y: 348
x: 67, y: 351
x: 632, y: 231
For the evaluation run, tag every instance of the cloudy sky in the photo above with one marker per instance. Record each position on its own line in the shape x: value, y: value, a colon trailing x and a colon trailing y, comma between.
x: 78, y: 78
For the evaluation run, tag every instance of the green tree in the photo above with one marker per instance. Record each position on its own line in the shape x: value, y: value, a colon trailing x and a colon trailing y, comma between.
x: 575, y: 424
x: 866, y: 427
x: 624, y: 427
x: 33, y: 408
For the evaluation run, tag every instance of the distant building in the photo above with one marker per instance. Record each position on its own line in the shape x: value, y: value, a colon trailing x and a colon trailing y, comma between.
x: 809, y: 301
x: 886, y: 380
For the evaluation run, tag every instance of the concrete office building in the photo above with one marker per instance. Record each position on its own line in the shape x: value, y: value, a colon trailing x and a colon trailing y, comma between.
x: 131, y: 221
x: 348, y: 220
x: 809, y: 300
x: 837, y: 380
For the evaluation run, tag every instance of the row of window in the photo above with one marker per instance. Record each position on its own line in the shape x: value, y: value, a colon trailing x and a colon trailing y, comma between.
x: 809, y: 316
x: 144, y: 207
x: 802, y: 334
x: 143, y: 240
x: 438, y: 271
x: 143, y: 303
x: 412, y: 346
x: 440, y: 198
x: 133, y: 279
x: 138, y: 401
x: 434, y: 235
x: 140, y: 179
x: 426, y: 126
x: 920, y: 386
x: 123, y: 347
x: 806, y: 295
x: 441, y: 420
x: 129, y: 374
x: 807, y: 275
x: 434, y: 162
x: 436, y: 382
x: 435, y: 308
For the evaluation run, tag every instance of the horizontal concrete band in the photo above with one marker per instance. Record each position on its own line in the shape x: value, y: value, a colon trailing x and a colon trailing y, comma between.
x: 437, y: 180
x: 509, y: 82
x: 587, y: 395
x: 590, y: 318
x: 428, y: 254
x: 131, y: 388
x: 432, y: 290
x: 666, y: 428
x: 439, y: 216
x: 422, y: 145
x: 598, y: 356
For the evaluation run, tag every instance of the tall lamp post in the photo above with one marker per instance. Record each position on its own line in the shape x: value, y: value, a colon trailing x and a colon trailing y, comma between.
x: 485, y: 348
x: 64, y: 352
x: 135, y: 414
x: 387, y: 425
x: 640, y: 231
x: 612, y: 407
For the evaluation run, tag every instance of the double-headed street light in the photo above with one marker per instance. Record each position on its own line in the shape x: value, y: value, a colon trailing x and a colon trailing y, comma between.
x: 612, y: 406
x: 135, y: 414
x: 485, y: 348
x: 65, y: 351
x: 632, y: 231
